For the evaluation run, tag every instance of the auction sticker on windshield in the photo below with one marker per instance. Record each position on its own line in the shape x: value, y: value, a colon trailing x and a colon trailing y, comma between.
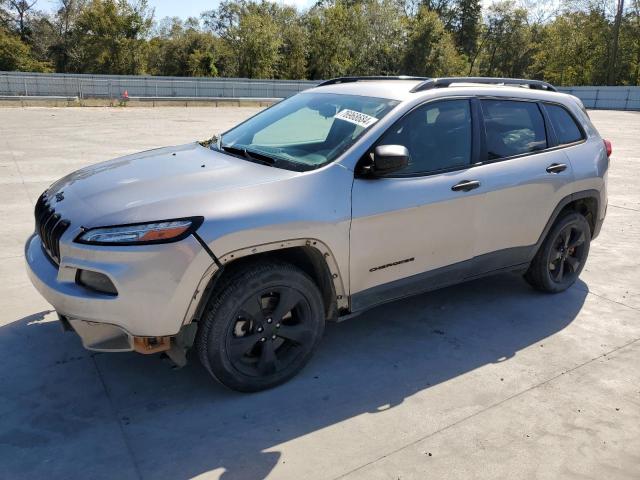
x: 360, y: 119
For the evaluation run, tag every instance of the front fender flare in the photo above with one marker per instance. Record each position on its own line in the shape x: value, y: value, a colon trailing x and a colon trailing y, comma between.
x: 204, y: 286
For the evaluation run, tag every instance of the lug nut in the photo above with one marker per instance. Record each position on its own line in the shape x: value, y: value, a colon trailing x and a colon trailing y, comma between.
x: 260, y: 329
x: 269, y: 320
x: 277, y: 325
x: 273, y: 337
x: 263, y: 339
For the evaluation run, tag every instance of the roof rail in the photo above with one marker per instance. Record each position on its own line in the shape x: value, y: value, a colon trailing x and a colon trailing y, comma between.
x: 447, y: 81
x: 334, y: 81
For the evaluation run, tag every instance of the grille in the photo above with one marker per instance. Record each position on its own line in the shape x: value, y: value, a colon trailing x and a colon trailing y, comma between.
x: 49, y: 227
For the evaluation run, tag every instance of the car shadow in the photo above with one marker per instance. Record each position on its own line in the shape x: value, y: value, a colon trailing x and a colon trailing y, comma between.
x: 64, y: 412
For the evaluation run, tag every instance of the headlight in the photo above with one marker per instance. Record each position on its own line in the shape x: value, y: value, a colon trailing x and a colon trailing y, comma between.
x: 141, y: 233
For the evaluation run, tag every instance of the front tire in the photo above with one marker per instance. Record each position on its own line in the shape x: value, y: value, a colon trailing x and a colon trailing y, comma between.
x: 261, y: 326
x: 562, y: 255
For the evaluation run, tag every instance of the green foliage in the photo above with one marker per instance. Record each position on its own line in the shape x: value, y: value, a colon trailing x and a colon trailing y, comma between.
x: 181, y: 49
x: 256, y: 41
x: 508, y: 47
x: 467, y: 25
x: 17, y: 56
x: 333, y: 29
x: 368, y: 37
x: 292, y: 55
x: 587, y: 42
x: 110, y: 36
x: 575, y: 49
x: 628, y: 69
x: 430, y: 50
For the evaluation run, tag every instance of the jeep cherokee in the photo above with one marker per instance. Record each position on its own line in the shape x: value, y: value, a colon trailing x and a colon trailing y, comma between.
x: 359, y: 191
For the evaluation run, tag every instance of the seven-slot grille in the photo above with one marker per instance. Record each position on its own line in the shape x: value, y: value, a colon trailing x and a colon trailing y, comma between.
x: 49, y: 227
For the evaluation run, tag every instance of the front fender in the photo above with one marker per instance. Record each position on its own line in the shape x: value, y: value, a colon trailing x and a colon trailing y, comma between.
x: 312, y: 209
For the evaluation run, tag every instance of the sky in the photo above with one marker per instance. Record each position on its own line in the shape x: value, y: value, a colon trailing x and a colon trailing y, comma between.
x: 191, y: 8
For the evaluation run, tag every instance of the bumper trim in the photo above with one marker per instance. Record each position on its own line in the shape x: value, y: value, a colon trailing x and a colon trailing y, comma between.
x: 155, y: 283
x: 102, y: 337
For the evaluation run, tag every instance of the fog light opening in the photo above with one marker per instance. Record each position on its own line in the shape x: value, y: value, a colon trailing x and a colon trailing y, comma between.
x: 96, y: 281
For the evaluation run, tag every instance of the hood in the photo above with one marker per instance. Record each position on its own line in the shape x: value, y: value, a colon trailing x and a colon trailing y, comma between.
x: 158, y: 184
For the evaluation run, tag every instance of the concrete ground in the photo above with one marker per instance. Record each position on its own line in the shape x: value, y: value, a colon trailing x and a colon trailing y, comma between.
x: 484, y: 380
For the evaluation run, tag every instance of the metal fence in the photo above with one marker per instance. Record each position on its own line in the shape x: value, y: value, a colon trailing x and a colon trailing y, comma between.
x: 114, y: 86
x: 607, y: 98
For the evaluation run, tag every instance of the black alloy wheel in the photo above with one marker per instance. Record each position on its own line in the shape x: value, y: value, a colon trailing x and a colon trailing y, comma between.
x: 562, y: 255
x: 567, y: 254
x: 261, y: 326
x: 271, y: 329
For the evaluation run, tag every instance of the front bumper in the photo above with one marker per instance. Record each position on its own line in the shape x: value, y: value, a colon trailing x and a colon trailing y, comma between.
x: 155, y: 283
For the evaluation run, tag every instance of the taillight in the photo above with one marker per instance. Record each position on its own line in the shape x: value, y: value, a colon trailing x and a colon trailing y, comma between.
x: 607, y: 145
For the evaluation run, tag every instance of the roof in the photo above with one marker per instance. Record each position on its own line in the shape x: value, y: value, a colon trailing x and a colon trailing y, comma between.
x: 392, y: 89
x: 404, y: 88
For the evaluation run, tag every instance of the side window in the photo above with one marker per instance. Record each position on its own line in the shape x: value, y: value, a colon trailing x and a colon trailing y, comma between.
x: 512, y: 128
x: 563, y: 124
x: 437, y: 135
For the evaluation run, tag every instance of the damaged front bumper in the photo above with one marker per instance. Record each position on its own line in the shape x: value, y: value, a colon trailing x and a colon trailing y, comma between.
x: 155, y: 285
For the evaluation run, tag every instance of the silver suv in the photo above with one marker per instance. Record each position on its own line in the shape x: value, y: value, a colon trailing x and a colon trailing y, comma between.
x: 351, y: 194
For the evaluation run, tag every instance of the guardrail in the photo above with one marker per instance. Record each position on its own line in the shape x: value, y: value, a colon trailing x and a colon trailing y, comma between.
x: 113, y: 87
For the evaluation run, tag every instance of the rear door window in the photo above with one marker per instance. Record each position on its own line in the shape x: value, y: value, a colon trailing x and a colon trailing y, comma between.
x: 564, y: 125
x: 513, y: 128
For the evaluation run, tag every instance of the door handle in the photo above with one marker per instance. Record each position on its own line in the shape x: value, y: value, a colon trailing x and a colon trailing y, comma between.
x: 465, y: 185
x: 556, y: 167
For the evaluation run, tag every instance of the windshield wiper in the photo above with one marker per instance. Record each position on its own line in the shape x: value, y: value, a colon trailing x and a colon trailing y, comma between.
x: 264, y: 159
x: 250, y: 155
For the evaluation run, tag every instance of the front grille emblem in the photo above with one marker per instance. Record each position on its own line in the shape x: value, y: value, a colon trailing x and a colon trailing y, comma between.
x: 59, y: 197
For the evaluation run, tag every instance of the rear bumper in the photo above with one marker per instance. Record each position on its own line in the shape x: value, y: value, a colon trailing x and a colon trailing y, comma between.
x: 155, y: 284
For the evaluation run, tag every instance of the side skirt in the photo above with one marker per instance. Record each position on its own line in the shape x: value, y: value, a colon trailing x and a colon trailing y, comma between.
x: 511, y: 260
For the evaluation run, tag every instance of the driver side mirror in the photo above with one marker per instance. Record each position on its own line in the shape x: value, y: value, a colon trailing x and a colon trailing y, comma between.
x: 387, y: 159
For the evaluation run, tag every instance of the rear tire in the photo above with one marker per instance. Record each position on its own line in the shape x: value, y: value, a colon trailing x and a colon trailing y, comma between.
x: 261, y: 326
x: 562, y: 256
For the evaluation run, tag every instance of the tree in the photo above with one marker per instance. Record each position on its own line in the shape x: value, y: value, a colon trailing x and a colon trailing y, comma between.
x: 109, y: 36
x: 64, y: 21
x: 256, y: 42
x: 582, y: 42
x: 574, y: 49
x: 384, y: 27
x: 507, y: 46
x: 359, y: 38
x: 294, y: 48
x: 15, y: 55
x: 628, y: 65
x: 466, y: 25
x: 259, y: 39
x: 611, y: 73
x: 430, y: 50
x: 18, y: 13
x: 332, y: 28
x: 182, y: 49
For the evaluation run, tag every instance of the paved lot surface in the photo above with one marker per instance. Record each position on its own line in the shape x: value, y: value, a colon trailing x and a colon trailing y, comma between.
x: 486, y: 380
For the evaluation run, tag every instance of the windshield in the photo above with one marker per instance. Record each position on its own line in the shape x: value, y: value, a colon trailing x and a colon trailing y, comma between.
x: 305, y: 131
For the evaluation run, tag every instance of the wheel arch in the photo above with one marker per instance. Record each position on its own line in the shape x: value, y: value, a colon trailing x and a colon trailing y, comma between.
x: 310, y: 255
x: 585, y: 205
x: 586, y: 202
